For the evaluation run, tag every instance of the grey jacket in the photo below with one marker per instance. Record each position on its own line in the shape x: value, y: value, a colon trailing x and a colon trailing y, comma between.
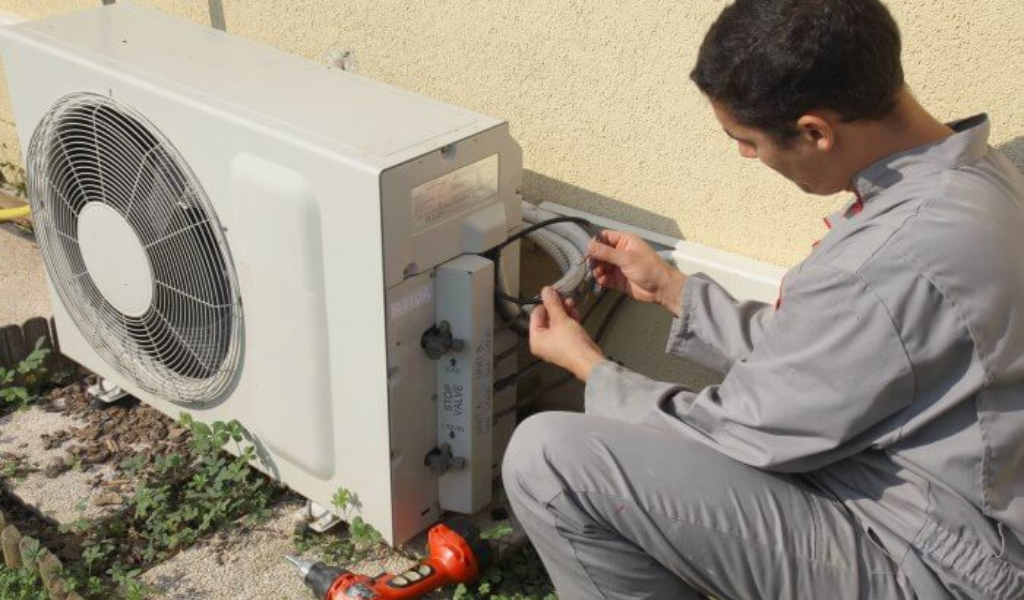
x: 891, y: 372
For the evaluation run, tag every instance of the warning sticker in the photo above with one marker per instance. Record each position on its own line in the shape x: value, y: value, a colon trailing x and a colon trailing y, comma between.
x: 445, y: 196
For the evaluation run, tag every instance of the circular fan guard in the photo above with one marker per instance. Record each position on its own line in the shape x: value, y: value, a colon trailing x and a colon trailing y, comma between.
x: 91, y: 149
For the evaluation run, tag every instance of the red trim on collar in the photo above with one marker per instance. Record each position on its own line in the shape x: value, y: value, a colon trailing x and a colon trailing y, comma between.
x: 778, y: 301
x: 857, y: 206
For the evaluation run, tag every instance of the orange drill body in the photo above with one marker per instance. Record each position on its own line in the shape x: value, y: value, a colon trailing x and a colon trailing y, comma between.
x: 454, y: 557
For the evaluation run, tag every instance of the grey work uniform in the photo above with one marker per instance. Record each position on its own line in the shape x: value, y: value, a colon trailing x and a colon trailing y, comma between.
x: 866, y: 442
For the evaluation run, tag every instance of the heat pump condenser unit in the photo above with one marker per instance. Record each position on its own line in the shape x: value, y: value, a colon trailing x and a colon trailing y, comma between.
x: 236, y: 233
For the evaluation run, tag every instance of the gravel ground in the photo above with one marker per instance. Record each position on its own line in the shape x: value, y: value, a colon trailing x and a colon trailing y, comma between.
x: 250, y: 564
x: 56, y: 496
x: 23, y: 293
x: 243, y: 563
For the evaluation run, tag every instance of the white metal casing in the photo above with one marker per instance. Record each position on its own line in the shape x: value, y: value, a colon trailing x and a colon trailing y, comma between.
x: 310, y: 171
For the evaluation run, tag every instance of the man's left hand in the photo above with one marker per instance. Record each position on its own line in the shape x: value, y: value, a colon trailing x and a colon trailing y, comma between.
x: 557, y: 337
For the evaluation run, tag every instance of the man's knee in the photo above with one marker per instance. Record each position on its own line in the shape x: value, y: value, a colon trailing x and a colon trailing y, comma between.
x: 538, y: 446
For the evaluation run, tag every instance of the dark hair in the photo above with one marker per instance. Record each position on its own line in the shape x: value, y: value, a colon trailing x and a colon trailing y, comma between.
x: 770, y: 61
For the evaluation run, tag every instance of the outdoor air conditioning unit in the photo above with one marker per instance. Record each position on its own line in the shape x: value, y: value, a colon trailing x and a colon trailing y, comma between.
x: 236, y: 233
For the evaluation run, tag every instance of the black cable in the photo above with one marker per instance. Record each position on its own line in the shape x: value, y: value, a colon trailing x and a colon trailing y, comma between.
x: 545, y: 223
x: 593, y: 307
x: 583, y: 320
x: 504, y: 382
x: 602, y: 329
x: 599, y: 334
x: 495, y: 254
x: 607, y: 320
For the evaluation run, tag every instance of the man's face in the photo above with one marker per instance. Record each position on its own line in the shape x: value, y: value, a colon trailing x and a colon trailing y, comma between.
x: 806, y: 160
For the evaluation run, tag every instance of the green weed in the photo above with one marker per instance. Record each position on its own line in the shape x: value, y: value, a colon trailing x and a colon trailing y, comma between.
x: 339, y: 549
x: 21, y: 384
x: 362, y: 534
x: 179, y: 498
x: 519, y: 575
x: 21, y: 584
x: 496, y: 533
x: 17, y: 181
x: 15, y: 467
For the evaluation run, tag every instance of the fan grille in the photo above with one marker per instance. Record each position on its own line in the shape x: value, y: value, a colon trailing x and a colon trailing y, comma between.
x: 91, y: 149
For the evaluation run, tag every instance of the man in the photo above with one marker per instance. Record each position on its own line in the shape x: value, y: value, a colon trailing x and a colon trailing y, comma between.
x: 868, y: 438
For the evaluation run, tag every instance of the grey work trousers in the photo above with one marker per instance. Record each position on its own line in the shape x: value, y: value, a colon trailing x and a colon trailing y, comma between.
x: 618, y: 510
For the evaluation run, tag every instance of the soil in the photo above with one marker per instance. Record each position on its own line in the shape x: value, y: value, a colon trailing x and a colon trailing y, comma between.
x: 113, y: 433
x: 97, y: 437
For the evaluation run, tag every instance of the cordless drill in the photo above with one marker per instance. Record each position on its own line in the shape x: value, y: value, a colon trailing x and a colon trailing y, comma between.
x: 456, y: 555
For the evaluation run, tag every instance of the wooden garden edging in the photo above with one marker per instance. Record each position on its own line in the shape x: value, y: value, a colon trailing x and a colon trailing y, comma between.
x: 17, y: 341
x: 17, y: 551
x: 25, y: 552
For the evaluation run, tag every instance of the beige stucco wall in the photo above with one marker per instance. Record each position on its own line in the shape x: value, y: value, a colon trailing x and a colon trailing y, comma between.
x: 597, y: 93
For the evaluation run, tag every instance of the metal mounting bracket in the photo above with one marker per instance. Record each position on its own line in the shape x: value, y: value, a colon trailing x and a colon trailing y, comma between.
x: 319, y: 518
x: 106, y: 391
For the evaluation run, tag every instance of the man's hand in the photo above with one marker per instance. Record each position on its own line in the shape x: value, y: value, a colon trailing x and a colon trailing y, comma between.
x: 624, y: 262
x: 557, y: 337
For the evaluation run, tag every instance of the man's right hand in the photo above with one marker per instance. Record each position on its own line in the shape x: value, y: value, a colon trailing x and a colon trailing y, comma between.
x: 624, y: 262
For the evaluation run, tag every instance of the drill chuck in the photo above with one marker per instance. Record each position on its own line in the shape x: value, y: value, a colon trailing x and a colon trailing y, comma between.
x: 316, y: 575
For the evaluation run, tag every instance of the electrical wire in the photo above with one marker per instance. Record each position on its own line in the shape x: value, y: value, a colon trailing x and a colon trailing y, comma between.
x: 568, y: 247
x: 508, y: 380
x: 545, y: 223
x: 504, y: 382
x: 495, y: 254
x: 566, y: 240
x: 565, y: 378
x: 600, y: 332
x: 607, y: 320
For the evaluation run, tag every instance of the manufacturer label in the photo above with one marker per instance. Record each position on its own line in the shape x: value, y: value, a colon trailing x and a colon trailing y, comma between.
x: 445, y: 196
x: 411, y: 301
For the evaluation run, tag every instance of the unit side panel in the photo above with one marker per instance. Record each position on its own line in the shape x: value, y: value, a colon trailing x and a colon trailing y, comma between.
x: 279, y: 259
x: 460, y: 199
x: 354, y: 292
x: 415, y: 394
x: 412, y: 388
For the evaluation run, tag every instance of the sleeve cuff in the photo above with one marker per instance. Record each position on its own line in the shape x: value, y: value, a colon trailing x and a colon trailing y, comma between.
x: 615, y: 392
x: 683, y: 338
x: 681, y: 331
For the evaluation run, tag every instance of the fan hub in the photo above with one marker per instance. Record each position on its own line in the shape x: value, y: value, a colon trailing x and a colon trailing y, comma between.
x: 116, y: 259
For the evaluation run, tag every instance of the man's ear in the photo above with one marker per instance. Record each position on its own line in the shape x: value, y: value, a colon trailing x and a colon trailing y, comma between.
x: 816, y: 129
